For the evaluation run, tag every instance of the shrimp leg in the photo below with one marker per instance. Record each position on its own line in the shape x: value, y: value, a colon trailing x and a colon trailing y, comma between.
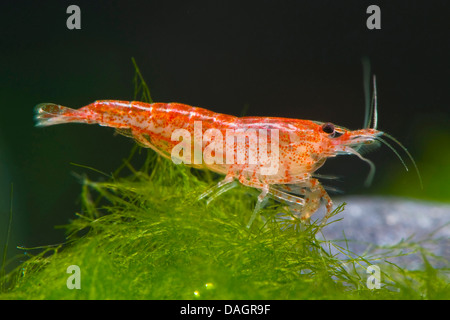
x: 223, y: 186
x: 313, y: 196
x: 262, y: 200
x: 313, y: 193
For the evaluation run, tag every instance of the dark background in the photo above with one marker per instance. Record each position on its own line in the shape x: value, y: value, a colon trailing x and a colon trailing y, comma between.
x: 298, y: 59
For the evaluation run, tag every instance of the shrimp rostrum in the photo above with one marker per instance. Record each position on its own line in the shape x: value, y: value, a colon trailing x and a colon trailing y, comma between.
x: 277, y: 156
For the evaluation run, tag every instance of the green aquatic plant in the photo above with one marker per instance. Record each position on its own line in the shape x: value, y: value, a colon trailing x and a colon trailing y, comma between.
x: 142, y: 234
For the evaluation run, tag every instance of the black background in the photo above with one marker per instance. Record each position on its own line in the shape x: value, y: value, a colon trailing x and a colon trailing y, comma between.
x: 298, y: 59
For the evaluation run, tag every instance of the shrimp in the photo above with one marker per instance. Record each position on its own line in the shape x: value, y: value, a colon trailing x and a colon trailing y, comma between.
x: 302, y: 145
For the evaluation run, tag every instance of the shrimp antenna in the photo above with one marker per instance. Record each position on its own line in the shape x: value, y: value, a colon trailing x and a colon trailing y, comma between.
x: 409, y: 155
x: 366, y: 83
x: 375, y: 103
x: 371, y: 105
x: 392, y: 148
x: 371, y: 174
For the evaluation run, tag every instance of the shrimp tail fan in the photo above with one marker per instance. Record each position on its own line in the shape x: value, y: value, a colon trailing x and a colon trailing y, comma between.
x: 48, y: 114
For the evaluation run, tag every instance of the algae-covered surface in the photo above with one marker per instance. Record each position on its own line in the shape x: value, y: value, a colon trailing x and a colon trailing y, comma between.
x: 146, y: 237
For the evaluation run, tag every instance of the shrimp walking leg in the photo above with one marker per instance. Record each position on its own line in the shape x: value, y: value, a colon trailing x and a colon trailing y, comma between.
x: 312, y: 191
x: 253, y: 182
x: 287, y: 198
x: 313, y: 195
x: 223, y: 186
x: 262, y: 199
x: 222, y: 189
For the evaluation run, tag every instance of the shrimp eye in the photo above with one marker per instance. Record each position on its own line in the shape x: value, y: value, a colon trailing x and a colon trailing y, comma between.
x: 328, y: 128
